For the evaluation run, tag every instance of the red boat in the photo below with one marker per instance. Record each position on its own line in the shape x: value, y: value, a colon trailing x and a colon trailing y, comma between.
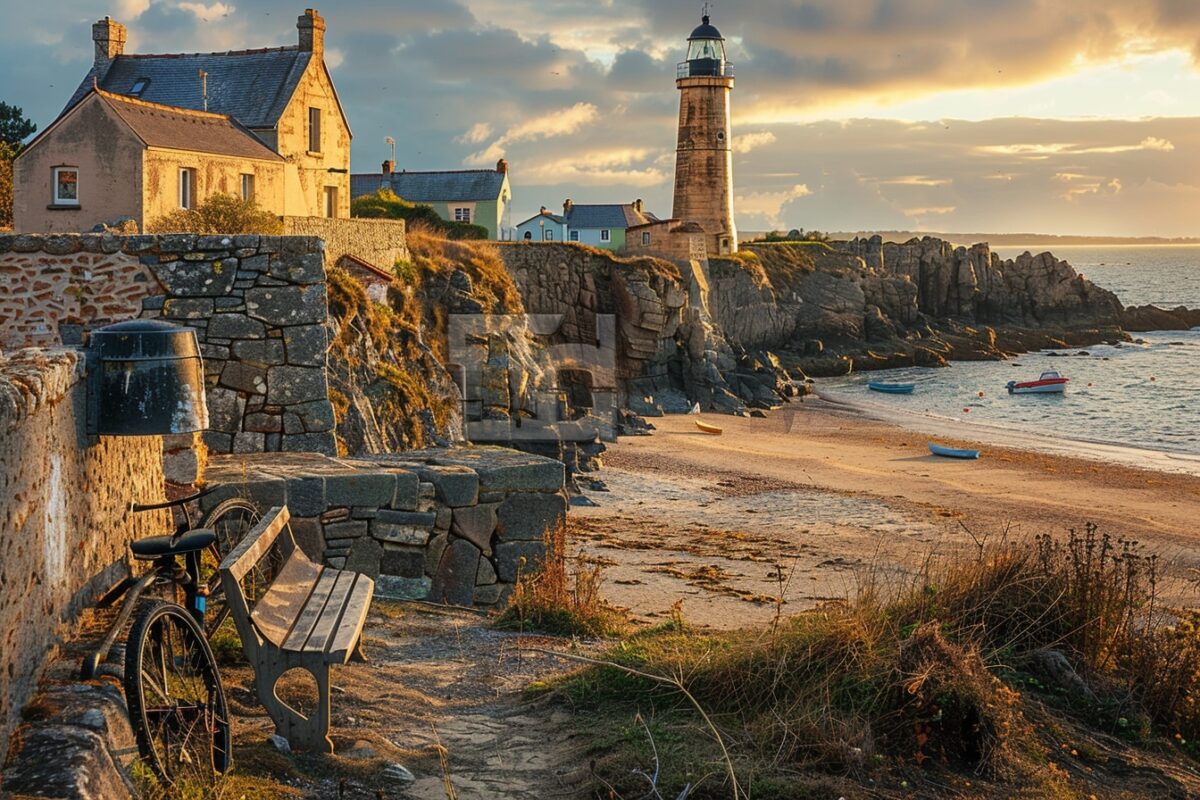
x: 1050, y: 383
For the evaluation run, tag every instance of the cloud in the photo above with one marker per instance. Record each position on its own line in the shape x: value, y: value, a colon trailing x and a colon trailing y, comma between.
x: 615, y: 167
x: 752, y: 141
x: 478, y: 134
x: 558, y: 123
x: 204, y: 12
x: 1042, y: 151
x: 769, y: 205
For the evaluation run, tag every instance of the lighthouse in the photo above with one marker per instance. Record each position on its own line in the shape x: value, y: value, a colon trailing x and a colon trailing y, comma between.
x: 704, y: 155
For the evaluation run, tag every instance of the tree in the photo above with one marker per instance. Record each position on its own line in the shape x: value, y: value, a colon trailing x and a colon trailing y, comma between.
x: 14, y: 126
x: 220, y: 213
x: 7, y: 154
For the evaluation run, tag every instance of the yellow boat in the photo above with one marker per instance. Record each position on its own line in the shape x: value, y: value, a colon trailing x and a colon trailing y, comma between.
x: 706, y: 428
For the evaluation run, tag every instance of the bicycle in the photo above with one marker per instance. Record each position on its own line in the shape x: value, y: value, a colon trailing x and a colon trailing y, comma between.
x: 172, y: 684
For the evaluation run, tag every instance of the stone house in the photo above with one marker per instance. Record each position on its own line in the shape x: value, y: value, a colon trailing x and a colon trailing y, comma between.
x: 476, y: 196
x: 146, y: 134
x: 599, y: 225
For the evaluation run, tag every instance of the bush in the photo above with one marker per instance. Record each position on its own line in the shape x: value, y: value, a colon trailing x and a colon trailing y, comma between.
x: 7, y: 154
x: 385, y: 204
x: 219, y: 214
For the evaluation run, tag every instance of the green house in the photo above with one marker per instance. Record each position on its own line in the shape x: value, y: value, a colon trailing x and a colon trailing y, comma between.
x: 477, y: 196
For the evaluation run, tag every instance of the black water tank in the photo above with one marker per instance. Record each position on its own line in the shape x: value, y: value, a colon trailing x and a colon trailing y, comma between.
x: 146, y: 378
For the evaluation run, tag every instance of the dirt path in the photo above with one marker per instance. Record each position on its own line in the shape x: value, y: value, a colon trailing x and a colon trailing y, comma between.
x: 434, y: 676
x: 797, y: 508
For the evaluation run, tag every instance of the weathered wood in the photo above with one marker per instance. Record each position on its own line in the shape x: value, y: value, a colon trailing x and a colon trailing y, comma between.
x: 309, y: 617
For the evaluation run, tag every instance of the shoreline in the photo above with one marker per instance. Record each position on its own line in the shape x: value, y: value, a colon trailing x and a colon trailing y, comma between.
x: 824, y: 493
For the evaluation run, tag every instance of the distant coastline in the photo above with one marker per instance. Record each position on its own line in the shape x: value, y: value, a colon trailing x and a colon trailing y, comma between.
x: 1032, y: 240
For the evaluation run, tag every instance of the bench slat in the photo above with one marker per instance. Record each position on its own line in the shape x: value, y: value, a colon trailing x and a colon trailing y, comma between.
x: 353, y: 618
x: 310, y: 612
x: 331, y: 615
x: 254, y: 545
x: 278, y: 610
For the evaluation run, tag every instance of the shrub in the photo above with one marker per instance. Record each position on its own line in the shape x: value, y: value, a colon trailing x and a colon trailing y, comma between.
x: 7, y: 154
x: 552, y: 598
x: 219, y: 214
x: 385, y: 204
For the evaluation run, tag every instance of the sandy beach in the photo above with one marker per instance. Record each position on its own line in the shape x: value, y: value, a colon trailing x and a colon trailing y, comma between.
x: 799, y: 504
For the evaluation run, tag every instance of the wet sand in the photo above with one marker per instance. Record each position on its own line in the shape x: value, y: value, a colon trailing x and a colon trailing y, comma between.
x: 800, y: 504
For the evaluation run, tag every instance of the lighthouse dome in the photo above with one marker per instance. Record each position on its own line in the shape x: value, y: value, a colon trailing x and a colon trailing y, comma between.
x: 706, y: 31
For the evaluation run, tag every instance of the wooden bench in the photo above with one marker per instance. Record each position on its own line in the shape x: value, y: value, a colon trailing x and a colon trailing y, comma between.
x: 308, y: 618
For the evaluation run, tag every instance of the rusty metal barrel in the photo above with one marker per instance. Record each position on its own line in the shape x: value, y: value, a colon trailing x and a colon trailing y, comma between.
x: 146, y: 378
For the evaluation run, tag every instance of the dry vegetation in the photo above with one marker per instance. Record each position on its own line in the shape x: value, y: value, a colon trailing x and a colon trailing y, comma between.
x: 1039, y: 669
x: 219, y: 214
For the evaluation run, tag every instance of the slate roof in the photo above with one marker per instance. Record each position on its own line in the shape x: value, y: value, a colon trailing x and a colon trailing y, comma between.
x: 182, y: 129
x: 252, y: 86
x: 555, y: 218
x: 427, y: 187
x: 616, y: 215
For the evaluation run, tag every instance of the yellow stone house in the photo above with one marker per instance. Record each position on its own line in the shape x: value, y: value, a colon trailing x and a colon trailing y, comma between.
x: 144, y: 135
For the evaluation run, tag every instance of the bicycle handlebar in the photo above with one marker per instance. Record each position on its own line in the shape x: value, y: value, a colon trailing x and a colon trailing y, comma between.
x: 135, y: 507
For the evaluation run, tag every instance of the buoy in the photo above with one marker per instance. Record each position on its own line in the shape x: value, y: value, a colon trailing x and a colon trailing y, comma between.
x: 966, y: 411
x: 981, y: 394
x: 1153, y: 379
x: 1089, y: 386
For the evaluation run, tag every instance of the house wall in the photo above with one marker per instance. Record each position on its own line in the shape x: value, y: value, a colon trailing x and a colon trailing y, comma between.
x: 108, y: 156
x: 666, y: 243
x: 309, y: 173
x: 533, y: 226
x: 214, y: 175
x: 65, y: 521
x: 592, y: 236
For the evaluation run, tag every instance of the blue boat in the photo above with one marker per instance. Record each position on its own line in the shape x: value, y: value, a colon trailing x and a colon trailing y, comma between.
x: 952, y: 452
x: 891, y: 388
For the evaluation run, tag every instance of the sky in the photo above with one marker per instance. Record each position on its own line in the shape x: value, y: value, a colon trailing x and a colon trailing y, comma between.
x: 1041, y: 116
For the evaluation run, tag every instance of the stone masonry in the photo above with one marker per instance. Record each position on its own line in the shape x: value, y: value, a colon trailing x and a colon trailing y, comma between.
x: 258, y: 305
x: 450, y: 526
x: 65, y: 523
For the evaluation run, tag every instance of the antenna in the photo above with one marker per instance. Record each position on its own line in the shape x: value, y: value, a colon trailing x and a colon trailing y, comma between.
x: 706, y: 10
x: 391, y: 143
x: 204, y: 87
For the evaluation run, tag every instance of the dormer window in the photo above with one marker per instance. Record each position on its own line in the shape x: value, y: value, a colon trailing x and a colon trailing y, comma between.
x: 139, y: 86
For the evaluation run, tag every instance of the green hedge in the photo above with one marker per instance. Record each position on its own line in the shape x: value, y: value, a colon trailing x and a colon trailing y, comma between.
x: 385, y: 204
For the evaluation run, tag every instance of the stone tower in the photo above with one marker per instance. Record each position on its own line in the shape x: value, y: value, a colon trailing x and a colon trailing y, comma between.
x: 704, y: 158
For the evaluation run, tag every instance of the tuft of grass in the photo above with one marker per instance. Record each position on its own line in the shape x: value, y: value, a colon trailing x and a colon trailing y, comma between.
x: 552, y: 597
x: 932, y: 672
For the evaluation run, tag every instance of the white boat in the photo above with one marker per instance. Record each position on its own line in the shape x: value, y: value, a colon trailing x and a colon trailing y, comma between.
x: 1051, y: 382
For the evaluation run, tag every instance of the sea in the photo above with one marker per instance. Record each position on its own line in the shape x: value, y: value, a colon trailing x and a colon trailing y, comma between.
x: 1144, y: 394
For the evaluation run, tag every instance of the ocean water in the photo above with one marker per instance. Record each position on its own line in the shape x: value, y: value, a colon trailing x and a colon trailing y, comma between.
x: 1144, y: 395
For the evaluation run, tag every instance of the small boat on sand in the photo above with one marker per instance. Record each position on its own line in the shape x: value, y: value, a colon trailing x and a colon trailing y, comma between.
x: 1051, y: 382
x: 951, y: 452
x: 711, y: 430
x: 891, y: 388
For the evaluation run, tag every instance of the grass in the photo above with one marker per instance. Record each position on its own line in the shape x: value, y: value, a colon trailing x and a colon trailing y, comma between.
x: 914, y: 685
x: 561, y: 596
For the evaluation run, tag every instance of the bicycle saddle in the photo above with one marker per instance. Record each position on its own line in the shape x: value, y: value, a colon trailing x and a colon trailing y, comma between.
x: 158, y: 546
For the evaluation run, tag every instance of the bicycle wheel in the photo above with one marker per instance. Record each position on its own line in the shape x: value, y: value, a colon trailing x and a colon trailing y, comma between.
x: 173, y: 691
x: 231, y: 519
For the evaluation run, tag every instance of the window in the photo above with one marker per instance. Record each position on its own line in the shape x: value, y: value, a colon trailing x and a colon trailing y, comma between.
x: 139, y: 87
x: 605, y: 235
x: 645, y: 237
x: 462, y: 215
x: 548, y: 235
x: 187, y: 187
x: 248, y: 187
x: 314, y: 130
x: 528, y: 236
x: 66, y: 186
x: 331, y: 201
x: 574, y: 236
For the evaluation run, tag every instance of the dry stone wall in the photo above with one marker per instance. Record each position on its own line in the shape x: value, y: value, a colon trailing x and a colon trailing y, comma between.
x: 379, y: 242
x: 257, y: 303
x: 65, y: 522
x: 451, y: 526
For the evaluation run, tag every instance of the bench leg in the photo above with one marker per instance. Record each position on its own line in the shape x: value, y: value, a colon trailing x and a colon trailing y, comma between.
x: 302, y: 733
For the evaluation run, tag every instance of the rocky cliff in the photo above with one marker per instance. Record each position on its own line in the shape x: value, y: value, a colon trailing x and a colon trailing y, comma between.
x: 870, y: 304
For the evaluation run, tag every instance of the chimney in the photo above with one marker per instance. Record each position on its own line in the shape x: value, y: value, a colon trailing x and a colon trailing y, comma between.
x: 543, y: 212
x: 567, y: 206
x: 637, y: 204
x: 502, y: 167
x: 109, y: 38
x: 312, y: 31
x: 387, y: 167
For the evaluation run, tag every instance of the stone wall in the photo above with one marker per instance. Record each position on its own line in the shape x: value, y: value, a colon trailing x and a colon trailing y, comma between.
x: 257, y: 303
x: 444, y: 525
x: 65, y: 522
x: 379, y: 242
